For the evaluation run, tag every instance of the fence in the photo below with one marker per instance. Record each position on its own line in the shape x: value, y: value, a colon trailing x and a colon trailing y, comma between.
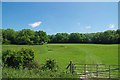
x: 94, y: 70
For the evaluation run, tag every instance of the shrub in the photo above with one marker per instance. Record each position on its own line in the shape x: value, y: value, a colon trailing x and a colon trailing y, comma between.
x: 32, y: 65
x: 26, y: 56
x: 9, y: 58
x: 50, y: 65
x: 18, y: 59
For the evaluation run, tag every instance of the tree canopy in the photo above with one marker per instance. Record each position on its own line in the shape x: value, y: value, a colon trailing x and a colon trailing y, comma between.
x: 27, y: 36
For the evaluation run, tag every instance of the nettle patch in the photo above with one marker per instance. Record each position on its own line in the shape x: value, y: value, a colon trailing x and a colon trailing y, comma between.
x: 18, y: 59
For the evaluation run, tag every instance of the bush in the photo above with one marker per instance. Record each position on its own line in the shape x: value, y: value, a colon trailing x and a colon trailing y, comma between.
x: 26, y: 56
x: 9, y: 58
x: 18, y: 59
x: 32, y: 65
x: 50, y: 65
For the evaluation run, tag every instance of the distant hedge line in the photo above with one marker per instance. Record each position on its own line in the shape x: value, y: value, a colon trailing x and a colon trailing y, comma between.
x: 27, y: 36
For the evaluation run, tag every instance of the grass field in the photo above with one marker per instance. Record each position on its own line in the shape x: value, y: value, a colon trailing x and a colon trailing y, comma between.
x: 80, y: 53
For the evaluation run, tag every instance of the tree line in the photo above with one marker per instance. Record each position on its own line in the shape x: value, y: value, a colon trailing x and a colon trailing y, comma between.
x: 30, y: 37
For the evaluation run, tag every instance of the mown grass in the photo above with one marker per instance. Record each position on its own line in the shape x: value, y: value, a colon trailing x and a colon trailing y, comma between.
x: 63, y: 53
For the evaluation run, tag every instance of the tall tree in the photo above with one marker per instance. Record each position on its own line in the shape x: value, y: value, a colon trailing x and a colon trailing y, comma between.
x: 25, y: 36
x: 40, y: 37
x: 61, y: 37
x: 74, y: 37
x: 8, y: 36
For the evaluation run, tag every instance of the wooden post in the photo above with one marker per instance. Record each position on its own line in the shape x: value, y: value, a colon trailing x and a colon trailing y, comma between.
x: 85, y: 69
x: 71, y: 68
x: 109, y: 71
x: 71, y: 65
x: 97, y: 70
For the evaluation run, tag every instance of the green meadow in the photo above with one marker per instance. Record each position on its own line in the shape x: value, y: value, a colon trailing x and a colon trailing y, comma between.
x: 78, y: 53
x: 63, y: 54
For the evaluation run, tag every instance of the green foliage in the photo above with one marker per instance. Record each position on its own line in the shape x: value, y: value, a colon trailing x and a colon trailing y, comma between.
x: 40, y: 37
x: 50, y: 65
x: 62, y: 53
x: 17, y: 59
x: 32, y: 65
x: 76, y: 38
x: 5, y: 41
x: 33, y: 73
x: 30, y: 37
x: 8, y: 36
x: 26, y: 56
x: 9, y: 58
x: 107, y: 37
x: 25, y: 36
x: 61, y: 37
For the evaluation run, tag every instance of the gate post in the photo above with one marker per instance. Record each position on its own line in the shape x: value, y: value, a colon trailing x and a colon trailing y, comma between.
x: 85, y: 69
x: 71, y: 65
x: 97, y: 70
x: 109, y: 71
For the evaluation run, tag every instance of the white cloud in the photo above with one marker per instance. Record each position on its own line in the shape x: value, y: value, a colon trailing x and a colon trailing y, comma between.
x: 88, y: 27
x: 111, y: 26
x: 35, y: 24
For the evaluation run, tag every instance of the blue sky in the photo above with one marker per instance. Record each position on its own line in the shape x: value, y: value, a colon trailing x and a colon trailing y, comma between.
x: 60, y: 0
x: 55, y: 17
